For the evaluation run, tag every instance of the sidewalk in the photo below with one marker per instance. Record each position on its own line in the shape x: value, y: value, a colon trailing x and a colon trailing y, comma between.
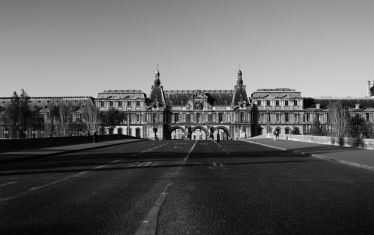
x: 352, y: 156
x: 40, y: 152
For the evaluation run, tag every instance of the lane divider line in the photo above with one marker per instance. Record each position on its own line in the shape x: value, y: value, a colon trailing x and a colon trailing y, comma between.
x: 265, y: 145
x: 32, y: 189
x: 149, y: 224
x: 220, y: 146
x: 189, y: 152
x: 9, y: 183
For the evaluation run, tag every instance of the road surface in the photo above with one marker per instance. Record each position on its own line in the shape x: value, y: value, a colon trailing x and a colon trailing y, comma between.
x: 185, y: 187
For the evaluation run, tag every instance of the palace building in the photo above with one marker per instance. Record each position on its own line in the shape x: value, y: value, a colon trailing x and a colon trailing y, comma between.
x: 202, y: 114
x: 196, y: 114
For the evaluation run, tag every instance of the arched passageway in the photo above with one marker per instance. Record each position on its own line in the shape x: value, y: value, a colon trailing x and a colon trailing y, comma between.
x: 199, y: 133
x: 223, y: 133
x: 177, y: 133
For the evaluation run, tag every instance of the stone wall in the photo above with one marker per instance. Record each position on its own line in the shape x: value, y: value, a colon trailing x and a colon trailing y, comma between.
x: 347, y: 142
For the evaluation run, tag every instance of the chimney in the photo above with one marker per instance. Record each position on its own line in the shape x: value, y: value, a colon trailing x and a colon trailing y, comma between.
x: 318, y: 106
x: 357, y: 106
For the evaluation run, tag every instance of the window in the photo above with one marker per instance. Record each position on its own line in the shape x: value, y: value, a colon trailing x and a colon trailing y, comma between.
x: 286, y: 117
x: 210, y: 117
x: 277, y: 117
x: 220, y: 117
x: 367, y: 117
x: 110, y: 103
x: 241, y: 117
x: 308, y: 117
x: 176, y: 117
x: 296, y: 117
x: 188, y: 117
x: 198, y: 117
x: 277, y: 102
x: 153, y: 117
x: 137, y: 103
x: 102, y: 103
x: 295, y: 102
x: 259, y: 102
x: 129, y: 103
x: 287, y: 130
x: 119, y: 103
x: 286, y: 103
x: 268, y: 103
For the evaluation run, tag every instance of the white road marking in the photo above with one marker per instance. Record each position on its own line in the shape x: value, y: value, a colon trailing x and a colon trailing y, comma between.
x: 214, y: 164
x: 116, y: 161
x: 220, y: 146
x: 44, y: 186
x: 147, y: 163
x: 149, y: 225
x: 9, y: 183
x: 58, y: 181
x: 189, y: 152
x: 141, y: 164
x: 132, y: 164
x: 101, y: 166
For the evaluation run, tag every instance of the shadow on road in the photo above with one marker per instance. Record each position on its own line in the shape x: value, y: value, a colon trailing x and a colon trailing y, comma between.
x: 87, y: 161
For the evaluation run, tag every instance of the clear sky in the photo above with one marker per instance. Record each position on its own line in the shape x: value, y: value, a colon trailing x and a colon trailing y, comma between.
x: 81, y: 47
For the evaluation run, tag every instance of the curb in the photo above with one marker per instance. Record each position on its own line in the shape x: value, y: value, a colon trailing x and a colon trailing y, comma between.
x: 354, y: 164
x: 65, y: 152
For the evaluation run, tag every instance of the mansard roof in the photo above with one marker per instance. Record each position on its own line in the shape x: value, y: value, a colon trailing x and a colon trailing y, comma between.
x: 215, y: 97
x: 349, y: 102
x: 240, y: 95
x: 277, y: 93
x: 157, y: 96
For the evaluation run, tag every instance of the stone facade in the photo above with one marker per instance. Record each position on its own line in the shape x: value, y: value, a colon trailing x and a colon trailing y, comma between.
x: 203, y: 114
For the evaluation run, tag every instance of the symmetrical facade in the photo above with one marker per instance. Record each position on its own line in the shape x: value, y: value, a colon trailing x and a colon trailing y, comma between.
x: 201, y: 114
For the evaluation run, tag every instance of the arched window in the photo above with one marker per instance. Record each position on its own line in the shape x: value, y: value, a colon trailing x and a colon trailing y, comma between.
x: 287, y: 130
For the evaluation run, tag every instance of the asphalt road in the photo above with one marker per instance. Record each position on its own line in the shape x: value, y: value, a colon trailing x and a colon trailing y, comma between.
x: 185, y: 187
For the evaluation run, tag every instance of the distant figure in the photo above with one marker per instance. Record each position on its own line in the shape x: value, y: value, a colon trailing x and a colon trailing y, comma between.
x: 277, y: 134
x: 218, y: 138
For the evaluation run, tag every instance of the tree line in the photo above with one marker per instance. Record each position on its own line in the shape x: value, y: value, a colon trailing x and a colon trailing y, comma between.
x: 22, y: 119
x: 342, y: 124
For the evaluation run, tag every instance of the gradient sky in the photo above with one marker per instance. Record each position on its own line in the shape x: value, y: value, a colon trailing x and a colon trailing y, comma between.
x: 81, y: 47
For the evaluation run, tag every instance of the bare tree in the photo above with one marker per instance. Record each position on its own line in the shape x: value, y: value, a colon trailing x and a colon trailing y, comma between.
x: 91, y: 116
x: 338, y: 119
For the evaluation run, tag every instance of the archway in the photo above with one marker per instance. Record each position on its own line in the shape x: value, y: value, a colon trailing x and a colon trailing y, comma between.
x: 287, y: 130
x: 199, y: 133
x: 296, y: 131
x: 177, y: 133
x: 222, y: 131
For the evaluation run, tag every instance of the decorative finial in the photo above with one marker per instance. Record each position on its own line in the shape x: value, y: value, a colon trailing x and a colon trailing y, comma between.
x: 157, y: 76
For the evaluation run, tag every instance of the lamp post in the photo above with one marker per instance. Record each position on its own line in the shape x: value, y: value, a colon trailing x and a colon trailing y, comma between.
x: 128, y: 121
x: 267, y: 120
